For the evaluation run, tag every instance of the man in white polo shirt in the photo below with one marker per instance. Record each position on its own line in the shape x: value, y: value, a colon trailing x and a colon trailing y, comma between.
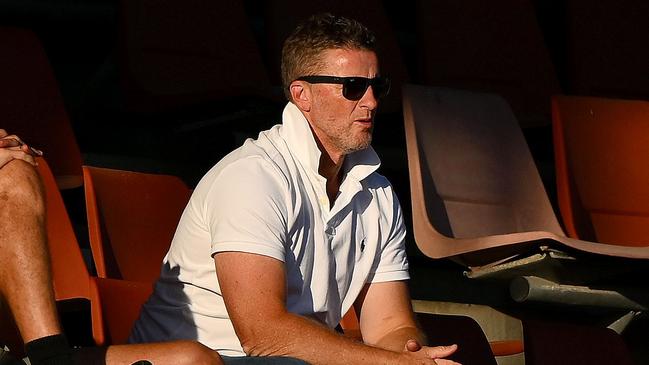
x: 285, y: 234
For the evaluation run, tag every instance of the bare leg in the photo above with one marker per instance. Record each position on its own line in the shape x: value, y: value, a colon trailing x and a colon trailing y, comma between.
x: 25, y: 276
x: 168, y: 353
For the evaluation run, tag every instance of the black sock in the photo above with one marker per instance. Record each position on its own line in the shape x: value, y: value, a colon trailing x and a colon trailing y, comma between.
x: 49, y: 350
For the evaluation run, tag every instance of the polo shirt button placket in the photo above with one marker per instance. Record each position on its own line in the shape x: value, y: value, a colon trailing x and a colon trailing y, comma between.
x: 330, y: 230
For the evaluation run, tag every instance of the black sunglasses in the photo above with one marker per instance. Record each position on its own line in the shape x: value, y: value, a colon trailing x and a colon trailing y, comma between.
x: 353, y: 87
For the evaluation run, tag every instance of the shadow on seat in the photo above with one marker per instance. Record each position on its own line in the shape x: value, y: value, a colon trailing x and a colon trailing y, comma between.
x: 602, y: 173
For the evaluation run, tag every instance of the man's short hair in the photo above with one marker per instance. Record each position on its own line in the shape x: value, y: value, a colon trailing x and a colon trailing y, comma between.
x: 302, y: 51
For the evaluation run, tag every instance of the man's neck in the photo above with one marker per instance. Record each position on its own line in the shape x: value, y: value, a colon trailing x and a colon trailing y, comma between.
x: 331, y: 169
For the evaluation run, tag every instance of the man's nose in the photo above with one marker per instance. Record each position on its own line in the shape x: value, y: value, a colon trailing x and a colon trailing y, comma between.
x: 369, y: 100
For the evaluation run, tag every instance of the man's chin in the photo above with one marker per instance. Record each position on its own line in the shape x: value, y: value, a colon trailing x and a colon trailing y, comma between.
x: 360, y: 146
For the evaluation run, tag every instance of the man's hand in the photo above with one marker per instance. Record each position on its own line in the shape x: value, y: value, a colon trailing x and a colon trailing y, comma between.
x: 13, y: 148
x: 437, y: 353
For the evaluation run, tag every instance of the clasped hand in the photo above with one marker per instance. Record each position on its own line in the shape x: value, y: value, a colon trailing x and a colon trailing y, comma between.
x: 13, y: 148
x: 430, y: 355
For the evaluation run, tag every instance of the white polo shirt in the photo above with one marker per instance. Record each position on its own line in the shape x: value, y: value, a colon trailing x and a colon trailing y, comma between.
x: 267, y: 198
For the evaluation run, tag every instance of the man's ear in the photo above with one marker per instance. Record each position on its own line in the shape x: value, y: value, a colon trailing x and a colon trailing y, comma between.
x: 301, y: 95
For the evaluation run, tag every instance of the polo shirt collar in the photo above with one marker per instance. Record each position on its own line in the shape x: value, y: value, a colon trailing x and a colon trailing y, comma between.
x: 300, y: 139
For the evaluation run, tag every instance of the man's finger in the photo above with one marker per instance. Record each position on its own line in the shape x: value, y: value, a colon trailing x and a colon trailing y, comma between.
x: 3, y: 133
x: 10, y: 142
x: 412, y: 345
x: 8, y: 156
x: 446, y: 362
x: 439, y: 352
x: 31, y: 150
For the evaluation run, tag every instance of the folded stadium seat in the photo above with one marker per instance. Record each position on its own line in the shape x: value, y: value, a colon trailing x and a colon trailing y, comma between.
x: 606, y: 48
x: 494, y: 47
x: 132, y: 218
x: 602, y: 173
x: 476, y: 194
x: 281, y: 18
x: 569, y: 344
x: 32, y: 107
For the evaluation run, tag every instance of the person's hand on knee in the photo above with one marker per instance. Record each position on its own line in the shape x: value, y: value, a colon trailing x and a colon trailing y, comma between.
x: 13, y: 148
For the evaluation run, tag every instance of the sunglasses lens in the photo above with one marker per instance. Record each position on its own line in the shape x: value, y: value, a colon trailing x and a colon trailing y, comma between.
x: 354, y: 88
x: 381, y: 86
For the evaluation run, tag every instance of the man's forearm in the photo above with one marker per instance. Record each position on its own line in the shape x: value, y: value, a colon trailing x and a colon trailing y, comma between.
x: 298, y: 337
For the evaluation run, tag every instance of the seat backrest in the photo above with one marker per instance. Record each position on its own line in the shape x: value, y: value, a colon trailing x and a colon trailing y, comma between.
x: 471, y: 171
x: 282, y: 16
x: 569, y: 344
x: 174, y: 54
x: 473, y: 346
x: 490, y: 46
x: 32, y: 107
x: 606, y: 48
x: 121, y: 301
x: 132, y: 218
x: 69, y: 273
x: 602, y: 173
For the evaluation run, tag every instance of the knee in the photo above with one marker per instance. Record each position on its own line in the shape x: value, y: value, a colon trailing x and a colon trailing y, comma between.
x: 20, y: 186
x: 199, y: 354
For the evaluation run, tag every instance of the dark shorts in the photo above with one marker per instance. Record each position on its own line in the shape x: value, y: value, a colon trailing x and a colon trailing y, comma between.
x: 275, y: 360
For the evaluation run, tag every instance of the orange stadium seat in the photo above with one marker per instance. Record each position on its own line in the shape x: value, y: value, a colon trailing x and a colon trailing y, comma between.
x: 132, y: 218
x: 69, y: 273
x: 121, y: 301
x: 602, y: 173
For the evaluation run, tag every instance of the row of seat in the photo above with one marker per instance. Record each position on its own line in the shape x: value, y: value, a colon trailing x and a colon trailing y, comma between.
x: 475, y: 186
x: 41, y: 118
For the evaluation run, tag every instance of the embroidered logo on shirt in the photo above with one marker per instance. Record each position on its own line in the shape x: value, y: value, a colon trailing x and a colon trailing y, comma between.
x: 362, y: 244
